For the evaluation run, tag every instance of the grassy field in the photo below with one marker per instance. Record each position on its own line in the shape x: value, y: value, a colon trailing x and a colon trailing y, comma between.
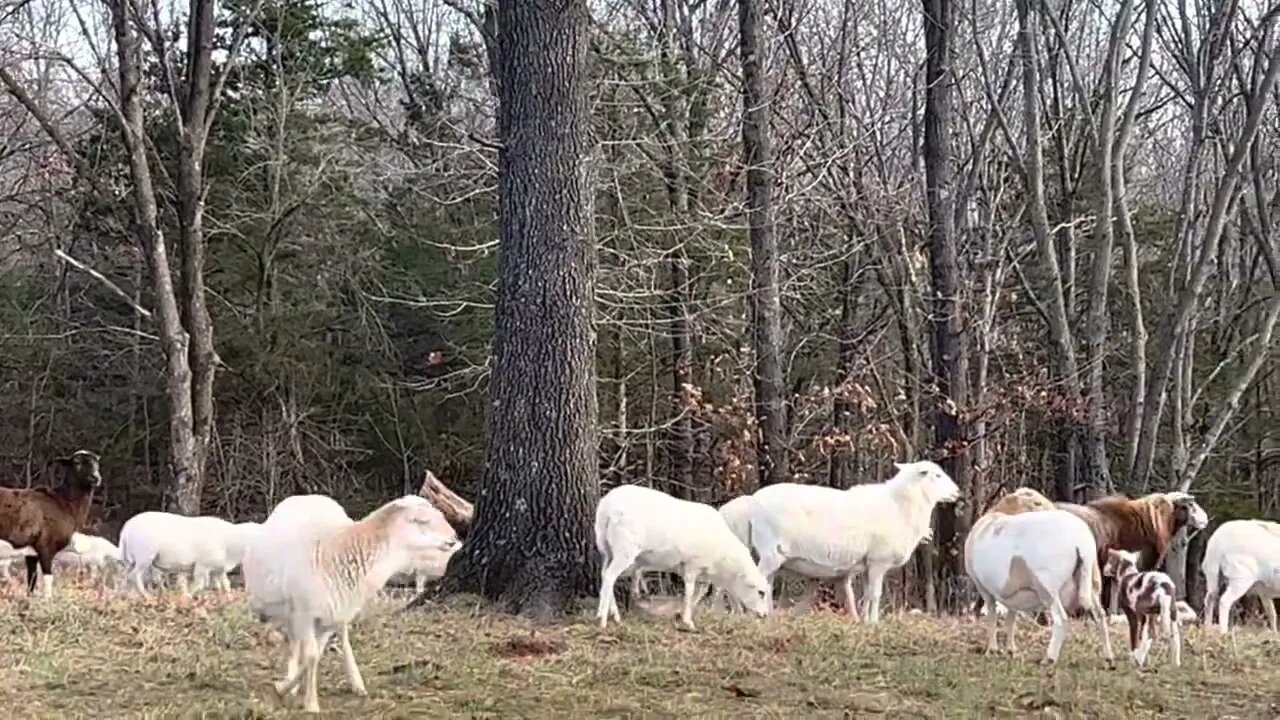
x: 86, y: 656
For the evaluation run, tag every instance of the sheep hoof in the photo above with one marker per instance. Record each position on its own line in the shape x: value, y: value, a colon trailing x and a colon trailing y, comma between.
x: 359, y: 690
x: 1048, y: 662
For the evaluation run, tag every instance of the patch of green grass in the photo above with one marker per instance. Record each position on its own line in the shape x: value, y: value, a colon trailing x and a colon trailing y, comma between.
x: 86, y: 656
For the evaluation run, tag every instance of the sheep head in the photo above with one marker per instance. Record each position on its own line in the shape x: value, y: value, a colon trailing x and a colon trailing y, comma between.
x: 82, y: 470
x: 415, y: 525
x: 934, y: 482
x: 1187, y: 512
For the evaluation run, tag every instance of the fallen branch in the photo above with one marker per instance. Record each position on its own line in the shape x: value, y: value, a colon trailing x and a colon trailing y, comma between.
x: 455, y: 509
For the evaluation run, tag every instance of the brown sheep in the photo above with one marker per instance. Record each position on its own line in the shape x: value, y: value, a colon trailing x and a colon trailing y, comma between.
x: 44, y: 519
x: 1146, y: 526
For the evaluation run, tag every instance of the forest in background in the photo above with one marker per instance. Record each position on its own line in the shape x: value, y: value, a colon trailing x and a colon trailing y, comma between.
x: 250, y: 250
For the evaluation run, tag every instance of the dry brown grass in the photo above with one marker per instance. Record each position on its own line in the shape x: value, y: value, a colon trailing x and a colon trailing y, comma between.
x: 88, y: 656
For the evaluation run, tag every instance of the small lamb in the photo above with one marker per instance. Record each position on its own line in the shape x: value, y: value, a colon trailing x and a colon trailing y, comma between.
x: 1142, y: 595
x: 310, y: 569
x: 638, y: 527
x: 96, y: 554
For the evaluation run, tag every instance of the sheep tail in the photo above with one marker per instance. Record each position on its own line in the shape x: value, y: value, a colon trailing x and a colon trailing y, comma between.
x: 602, y: 537
x: 1088, y: 580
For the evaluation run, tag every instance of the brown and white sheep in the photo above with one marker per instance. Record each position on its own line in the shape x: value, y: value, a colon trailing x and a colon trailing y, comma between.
x: 44, y: 519
x: 1142, y: 596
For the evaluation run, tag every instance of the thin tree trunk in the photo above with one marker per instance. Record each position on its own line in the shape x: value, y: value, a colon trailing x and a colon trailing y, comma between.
x: 195, y: 114
x: 1063, y: 348
x: 184, y: 454
x: 950, y: 363
x: 530, y: 546
x: 766, y: 301
x: 681, y: 449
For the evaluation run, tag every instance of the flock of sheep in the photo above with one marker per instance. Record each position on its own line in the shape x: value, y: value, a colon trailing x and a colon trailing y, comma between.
x: 1025, y: 555
x: 309, y: 568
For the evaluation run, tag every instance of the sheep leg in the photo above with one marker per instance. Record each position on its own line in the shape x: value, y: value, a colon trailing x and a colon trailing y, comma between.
x: 613, y: 570
x: 1175, y: 643
x: 419, y: 581
x: 1236, y: 588
x: 1144, y: 642
x: 137, y: 575
x: 32, y: 574
x: 311, y: 650
x: 1103, y: 620
x: 993, y: 624
x: 875, y: 585
x: 1010, y: 625
x: 1057, y: 613
x: 349, y: 659
x: 850, y: 600
x: 637, y: 585
x: 46, y: 582
x: 1269, y: 607
x: 692, y: 592
x: 292, y: 674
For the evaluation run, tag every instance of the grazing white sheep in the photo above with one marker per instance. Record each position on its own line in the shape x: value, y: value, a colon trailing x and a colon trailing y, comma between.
x: 1035, y: 559
x: 98, y: 555
x: 1142, y: 595
x: 825, y: 533
x: 205, y: 547
x: 1246, y: 555
x: 310, y: 569
x: 639, y: 527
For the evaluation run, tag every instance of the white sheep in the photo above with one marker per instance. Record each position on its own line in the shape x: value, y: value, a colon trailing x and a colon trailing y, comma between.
x: 205, y: 547
x: 638, y: 527
x: 310, y: 569
x: 1246, y: 555
x: 825, y: 533
x: 1039, y: 558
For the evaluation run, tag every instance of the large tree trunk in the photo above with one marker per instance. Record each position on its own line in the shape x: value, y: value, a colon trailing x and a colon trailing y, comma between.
x: 766, y: 301
x: 950, y: 367
x: 530, y: 546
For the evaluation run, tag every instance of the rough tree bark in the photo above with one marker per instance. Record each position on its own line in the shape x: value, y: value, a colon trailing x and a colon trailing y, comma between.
x: 950, y: 366
x: 766, y: 301
x: 530, y: 546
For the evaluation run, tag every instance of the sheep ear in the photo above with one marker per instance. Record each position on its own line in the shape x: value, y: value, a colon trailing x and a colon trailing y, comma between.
x: 900, y: 466
x: 64, y: 461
